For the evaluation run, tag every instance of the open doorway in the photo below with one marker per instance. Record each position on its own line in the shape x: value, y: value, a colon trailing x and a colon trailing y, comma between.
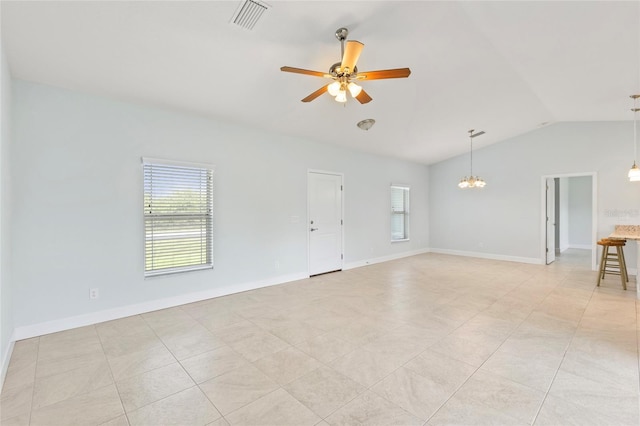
x: 569, y: 218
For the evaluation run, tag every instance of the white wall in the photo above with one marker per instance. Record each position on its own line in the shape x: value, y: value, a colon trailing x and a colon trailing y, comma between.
x: 78, y: 192
x: 579, y: 204
x: 504, y: 218
x: 6, y: 298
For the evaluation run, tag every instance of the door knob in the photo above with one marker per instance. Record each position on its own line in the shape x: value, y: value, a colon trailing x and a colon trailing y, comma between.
x: 314, y: 229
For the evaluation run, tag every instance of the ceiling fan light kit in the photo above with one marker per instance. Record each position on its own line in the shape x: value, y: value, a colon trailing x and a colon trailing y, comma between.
x: 634, y: 172
x: 345, y: 73
x: 472, y: 181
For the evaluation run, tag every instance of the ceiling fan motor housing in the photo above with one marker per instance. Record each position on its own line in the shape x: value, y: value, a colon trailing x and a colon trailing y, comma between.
x: 337, y: 72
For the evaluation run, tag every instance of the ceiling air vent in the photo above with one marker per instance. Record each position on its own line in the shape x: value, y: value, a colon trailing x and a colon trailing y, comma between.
x: 248, y: 13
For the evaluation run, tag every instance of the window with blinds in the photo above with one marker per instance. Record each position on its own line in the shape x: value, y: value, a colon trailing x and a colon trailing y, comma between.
x: 177, y: 217
x: 399, y: 213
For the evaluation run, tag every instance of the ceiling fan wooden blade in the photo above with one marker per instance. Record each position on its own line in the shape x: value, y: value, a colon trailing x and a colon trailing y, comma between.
x: 305, y: 72
x: 351, y: 54
x: 382, y: 74
x: 363, y: 97
x: 315, y: 94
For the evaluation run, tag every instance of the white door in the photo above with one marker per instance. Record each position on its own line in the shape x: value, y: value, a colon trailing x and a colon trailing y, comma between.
x: 551, y: 221
x: 325, y: 222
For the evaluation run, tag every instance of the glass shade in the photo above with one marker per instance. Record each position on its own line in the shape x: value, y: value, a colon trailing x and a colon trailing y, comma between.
x: 354, y: 89
x: 472, y: 182
x: 333, y: 88
x: 341, y: 96
x: 634, y: 173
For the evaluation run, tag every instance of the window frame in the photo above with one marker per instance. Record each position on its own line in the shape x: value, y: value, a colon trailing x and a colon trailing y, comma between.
x: 208, y: 216
x: 406, y: 198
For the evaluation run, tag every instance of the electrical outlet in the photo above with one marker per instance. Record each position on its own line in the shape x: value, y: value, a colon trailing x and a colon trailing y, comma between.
x: 93, y: 293
x: 277, y: 265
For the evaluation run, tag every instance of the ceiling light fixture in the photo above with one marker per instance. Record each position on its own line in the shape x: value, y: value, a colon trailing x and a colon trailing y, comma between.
x: 366, y: 124
x: 472, y: 181
x: 634, y: 172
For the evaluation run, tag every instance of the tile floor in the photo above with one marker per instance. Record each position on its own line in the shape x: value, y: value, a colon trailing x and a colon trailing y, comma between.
x: 425, y: 340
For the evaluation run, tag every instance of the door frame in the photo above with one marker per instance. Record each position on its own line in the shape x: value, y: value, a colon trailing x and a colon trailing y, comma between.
x: 548, y: 219
x: 594, y: 214
x: 307, y: 224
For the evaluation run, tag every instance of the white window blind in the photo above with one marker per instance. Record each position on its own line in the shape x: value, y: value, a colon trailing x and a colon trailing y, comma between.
x: 399, y: 213
x: 177, y: 217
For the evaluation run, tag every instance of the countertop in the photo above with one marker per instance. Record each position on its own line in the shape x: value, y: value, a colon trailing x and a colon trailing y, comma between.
x: 628, y: 232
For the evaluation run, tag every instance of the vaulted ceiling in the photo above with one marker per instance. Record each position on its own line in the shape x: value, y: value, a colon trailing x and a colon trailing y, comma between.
x: 503, y: 67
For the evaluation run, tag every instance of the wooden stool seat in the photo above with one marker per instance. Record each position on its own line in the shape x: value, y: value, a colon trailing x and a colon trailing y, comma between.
x: 613, y: 262
x: 611, y: 242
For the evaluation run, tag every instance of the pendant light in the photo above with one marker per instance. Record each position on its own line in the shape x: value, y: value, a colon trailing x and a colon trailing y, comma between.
x: 472, y: 181
x: 634, y: 172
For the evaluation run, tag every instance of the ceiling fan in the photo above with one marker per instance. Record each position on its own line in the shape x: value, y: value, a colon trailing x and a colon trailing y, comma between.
x: 344, y: 74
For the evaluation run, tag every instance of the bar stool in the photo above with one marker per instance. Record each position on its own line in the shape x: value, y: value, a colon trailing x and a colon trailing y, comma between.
x: 613, y: 263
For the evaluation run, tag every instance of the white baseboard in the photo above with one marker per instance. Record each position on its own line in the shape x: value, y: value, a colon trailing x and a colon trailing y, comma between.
x: 580, y: 246
x: 33, y: 330
x: 48, y: 327
x: 6, y: 357
x: 360, y: 263
x: 533, y: 260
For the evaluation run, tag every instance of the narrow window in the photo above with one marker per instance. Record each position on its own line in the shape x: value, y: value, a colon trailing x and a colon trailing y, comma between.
x: 399, y: 213
x: 177, y: 217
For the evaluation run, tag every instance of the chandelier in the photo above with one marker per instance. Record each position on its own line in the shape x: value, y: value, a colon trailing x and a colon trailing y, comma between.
x: 634, y: 172
x: 472, y: 181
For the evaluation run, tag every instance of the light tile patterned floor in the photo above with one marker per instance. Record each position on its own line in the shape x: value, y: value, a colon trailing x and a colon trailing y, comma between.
x: 425, y: 340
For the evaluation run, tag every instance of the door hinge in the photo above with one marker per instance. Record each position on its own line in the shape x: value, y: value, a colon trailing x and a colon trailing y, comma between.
x: 341, y: 222
x: 547, y: 249
x: 341, y: 188
x: 342, y: 257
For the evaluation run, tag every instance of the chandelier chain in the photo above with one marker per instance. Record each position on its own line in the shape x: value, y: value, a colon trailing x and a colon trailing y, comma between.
x: 471, y: 152
x: 635, y: 130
